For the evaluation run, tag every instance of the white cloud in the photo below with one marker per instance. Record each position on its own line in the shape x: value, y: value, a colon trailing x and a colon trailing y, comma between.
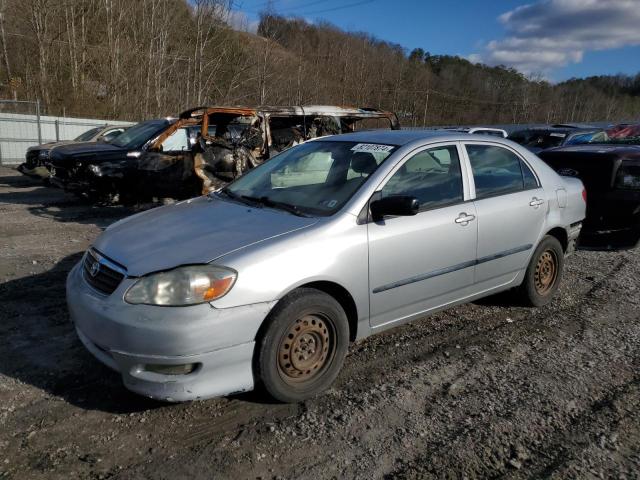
x: 549, y: 34
x: 240, y: 21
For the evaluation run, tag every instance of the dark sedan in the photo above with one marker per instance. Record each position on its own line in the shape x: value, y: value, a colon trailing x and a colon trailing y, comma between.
x: 538, y: 139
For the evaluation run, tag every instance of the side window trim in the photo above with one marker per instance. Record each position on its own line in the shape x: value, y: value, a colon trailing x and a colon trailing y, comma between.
x: 464, y: 168
x: 471, y: 180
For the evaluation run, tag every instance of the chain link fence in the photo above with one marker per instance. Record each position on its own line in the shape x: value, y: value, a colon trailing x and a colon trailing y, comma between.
x: 22, y: 125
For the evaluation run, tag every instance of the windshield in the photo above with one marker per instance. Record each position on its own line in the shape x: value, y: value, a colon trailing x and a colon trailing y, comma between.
x: 315, y: 178
x: 140, y: 133
x: 587, y: 137
x: 88, y: 135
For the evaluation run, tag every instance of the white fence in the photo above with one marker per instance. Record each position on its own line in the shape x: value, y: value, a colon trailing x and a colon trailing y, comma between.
x: 18, y: 132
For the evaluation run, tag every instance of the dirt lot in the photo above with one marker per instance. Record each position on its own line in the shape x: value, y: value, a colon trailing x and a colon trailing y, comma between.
x: 483, y: 390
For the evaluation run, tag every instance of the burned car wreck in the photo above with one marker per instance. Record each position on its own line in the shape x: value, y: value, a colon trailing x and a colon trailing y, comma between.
x: 207, y: 147
x: 611, y: 175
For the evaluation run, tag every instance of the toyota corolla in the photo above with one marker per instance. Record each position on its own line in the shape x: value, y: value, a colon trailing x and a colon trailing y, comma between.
x: 265, y: 282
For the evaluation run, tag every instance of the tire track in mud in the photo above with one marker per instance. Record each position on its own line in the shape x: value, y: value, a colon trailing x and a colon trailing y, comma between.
x: 414, y: 467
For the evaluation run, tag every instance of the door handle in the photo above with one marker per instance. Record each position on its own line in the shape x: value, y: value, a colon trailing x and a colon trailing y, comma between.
x: 464, y: 219
x: 536, y: 202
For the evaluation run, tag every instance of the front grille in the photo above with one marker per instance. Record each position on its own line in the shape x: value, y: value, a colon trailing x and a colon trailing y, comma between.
x: 102, y: 277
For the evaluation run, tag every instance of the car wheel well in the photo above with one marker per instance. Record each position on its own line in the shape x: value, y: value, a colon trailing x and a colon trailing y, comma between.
x: 560, y: 234
x: 343, y: 297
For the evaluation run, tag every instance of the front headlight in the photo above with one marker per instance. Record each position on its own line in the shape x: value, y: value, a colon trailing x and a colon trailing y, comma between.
x: 43, y: 154
x: 182, y: 286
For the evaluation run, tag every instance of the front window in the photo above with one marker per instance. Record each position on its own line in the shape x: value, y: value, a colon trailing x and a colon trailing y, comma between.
x: 139, y: 134
x: 315, y: 178
x: 178, y: 141
x: 432, y: 176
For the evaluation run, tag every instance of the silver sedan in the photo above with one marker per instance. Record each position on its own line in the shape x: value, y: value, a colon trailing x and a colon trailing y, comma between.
x: 266, y: 282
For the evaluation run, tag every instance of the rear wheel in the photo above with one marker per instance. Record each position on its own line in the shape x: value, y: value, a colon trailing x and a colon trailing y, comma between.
x: 544, y: 273
x: 302, y: 349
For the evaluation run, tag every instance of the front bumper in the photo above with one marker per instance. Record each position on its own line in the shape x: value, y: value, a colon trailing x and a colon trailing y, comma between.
x: 219, y: 343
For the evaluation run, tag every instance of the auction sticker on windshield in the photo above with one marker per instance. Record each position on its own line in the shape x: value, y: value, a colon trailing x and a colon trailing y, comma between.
x: 372, y: 147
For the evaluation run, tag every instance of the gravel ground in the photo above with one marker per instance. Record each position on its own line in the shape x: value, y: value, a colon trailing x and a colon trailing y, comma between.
x: 483, y: 390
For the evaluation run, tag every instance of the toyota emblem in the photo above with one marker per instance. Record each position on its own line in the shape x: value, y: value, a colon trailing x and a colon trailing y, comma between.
x: 95, y: 269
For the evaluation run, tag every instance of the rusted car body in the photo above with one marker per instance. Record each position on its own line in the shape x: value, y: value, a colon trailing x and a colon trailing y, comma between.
x: 207, y: 147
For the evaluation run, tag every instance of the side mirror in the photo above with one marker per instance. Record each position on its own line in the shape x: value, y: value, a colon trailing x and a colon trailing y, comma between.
x: 398, y: 205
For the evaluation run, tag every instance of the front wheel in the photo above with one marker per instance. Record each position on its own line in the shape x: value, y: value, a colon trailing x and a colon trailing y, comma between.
x: 303, y: 346
x: 544, y: 273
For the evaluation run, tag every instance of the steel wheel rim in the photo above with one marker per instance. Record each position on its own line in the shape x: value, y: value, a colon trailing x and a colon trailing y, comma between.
x: 546, y: 272
x: 306, y: 349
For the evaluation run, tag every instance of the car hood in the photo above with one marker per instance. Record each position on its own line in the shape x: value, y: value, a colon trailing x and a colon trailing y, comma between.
x: 92, y: 152
x: 49, y: 146
x: 191, y: 232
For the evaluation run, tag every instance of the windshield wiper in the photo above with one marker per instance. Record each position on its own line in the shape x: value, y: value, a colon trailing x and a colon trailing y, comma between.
x: 267, y: 202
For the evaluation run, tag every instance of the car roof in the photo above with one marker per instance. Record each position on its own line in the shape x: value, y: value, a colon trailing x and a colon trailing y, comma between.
x: 403, y: 137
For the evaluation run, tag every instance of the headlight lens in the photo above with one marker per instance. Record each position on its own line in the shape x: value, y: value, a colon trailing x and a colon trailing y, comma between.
x: 43, y: 154
x: 182, y: 286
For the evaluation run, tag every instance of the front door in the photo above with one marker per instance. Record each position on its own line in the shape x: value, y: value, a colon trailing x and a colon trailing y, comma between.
x: 511, y: 208
x: 168, y: 171
x: 420, y: 262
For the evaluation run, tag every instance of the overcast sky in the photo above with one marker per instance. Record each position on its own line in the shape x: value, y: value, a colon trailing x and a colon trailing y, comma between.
x: 556, y: 38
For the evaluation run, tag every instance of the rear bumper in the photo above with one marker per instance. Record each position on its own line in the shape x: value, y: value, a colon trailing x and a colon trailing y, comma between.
x: 613, y: 221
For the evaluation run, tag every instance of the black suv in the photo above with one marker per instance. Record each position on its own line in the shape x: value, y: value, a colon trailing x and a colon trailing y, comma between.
x: 99, y: 171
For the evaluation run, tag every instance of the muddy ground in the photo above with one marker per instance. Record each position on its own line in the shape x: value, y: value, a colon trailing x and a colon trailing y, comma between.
x: 484, y: 390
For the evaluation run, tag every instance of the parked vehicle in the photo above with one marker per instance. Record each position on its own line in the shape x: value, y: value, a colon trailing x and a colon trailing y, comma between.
x: 539, y: 139
x: 38, y: 155
x: 494, y: 132
x: 86, y: 168
x: 611, y: 174
x: 265, y: 282
x: 207, y: 147
x: 625, y: 133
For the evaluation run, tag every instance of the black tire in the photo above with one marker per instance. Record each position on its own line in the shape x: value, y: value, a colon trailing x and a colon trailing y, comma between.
x: 544, y: 273
x: 314, y: 325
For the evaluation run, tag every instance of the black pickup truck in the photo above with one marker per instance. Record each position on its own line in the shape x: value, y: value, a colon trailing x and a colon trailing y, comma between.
x: 611, y: 175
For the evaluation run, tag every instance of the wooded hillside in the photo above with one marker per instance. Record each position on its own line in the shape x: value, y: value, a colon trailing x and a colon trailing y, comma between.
x: 135, y: 60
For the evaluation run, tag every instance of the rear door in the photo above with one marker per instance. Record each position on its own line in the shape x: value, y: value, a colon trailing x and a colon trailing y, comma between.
x: 511, y: 207
x: 417, y: 263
